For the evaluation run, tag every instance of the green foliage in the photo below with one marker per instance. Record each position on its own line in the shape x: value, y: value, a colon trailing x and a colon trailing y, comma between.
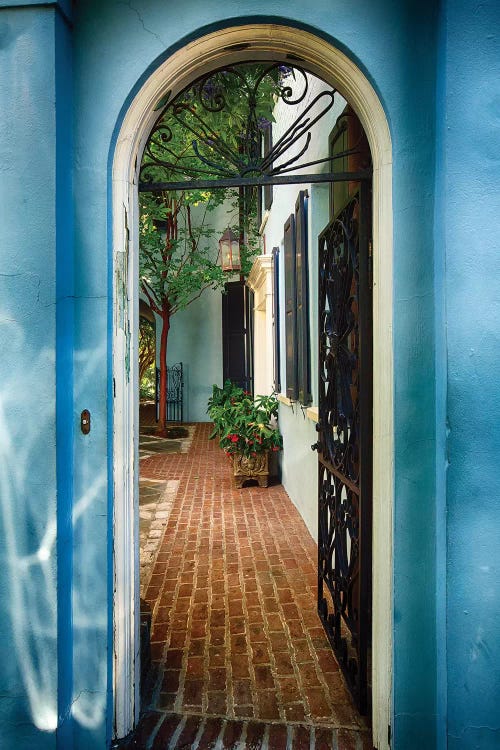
x: 147, y: 386
x: 244, y: 425
x: 220, y: 400
x: 176, y: 265
x: 220, y: 117
x: 147, y: 345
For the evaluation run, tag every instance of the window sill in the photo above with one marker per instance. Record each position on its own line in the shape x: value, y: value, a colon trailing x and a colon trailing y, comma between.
x: 311, y: 411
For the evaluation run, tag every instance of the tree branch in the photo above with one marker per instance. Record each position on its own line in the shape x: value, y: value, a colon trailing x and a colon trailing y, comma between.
x: 151, y: 297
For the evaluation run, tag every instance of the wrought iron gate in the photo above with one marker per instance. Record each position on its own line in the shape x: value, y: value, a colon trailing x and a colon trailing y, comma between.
x: 345, y: 440
x: 175, y: 393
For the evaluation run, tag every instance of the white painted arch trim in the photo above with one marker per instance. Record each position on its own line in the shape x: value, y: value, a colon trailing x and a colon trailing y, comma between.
x: 265, y: 41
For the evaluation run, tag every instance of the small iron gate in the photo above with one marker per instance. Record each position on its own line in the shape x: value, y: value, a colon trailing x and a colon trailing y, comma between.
x: 345, y: 440
x: 175, y: 393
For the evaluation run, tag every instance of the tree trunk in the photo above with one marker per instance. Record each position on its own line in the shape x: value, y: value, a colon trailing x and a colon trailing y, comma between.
x: 162, y: 419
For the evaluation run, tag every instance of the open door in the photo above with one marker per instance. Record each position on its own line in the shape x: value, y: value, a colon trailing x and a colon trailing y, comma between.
x: 345, y: 440
x: 237, y: 317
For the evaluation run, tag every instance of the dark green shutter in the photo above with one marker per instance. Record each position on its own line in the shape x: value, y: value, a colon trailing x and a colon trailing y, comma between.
x: 302, y: 282
x: 290, y: 309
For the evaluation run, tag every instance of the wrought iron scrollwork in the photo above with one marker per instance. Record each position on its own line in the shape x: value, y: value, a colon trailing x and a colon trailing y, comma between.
x: 339, y: 280
x: 214, y: 148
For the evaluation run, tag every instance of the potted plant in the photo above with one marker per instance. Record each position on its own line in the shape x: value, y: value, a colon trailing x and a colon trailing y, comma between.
x: 247, y: 430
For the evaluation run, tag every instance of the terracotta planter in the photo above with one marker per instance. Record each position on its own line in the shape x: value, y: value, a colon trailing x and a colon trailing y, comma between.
x: 251, y: 467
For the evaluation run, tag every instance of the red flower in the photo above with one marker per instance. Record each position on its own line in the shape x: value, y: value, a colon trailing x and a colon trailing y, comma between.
x: 233, y: 438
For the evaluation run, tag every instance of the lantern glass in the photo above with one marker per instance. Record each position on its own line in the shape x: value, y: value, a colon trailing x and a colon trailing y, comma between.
x: 229, y: 248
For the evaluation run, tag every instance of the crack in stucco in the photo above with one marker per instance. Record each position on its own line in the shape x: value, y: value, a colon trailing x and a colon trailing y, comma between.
x: 85, y: 691
x: 413, y: 297
x: 141, y: 20
x: 473, y: 728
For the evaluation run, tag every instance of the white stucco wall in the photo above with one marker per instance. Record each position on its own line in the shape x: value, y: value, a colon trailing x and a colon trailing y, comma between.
x: 298, y: 461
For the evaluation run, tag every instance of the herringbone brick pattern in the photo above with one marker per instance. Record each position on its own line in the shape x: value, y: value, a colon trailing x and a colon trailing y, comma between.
x: 236, y: 639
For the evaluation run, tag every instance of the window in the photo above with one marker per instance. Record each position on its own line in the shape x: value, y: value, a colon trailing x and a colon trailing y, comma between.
x: 298, y: 365
x: 338, y: 144
x: 348, y: 142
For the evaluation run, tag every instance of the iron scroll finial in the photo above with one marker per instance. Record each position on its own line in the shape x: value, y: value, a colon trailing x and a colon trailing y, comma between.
x: 213, y: 129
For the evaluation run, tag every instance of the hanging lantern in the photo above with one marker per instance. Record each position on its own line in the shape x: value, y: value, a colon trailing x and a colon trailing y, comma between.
x: 229, y: 249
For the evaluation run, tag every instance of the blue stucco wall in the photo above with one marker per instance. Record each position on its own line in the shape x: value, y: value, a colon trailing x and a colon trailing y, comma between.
x: 115, y: 44
x: 195, y: 339
x: 28, y: 487
x: 470, y: 145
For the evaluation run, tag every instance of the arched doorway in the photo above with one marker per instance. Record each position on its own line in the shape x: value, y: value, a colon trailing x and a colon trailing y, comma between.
x: 225, y: 47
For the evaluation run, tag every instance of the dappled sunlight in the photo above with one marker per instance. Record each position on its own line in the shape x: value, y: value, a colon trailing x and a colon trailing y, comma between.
x: 28, y: 519
x: 28, y: 502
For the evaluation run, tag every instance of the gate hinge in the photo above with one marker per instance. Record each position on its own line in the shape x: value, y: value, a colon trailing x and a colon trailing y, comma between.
x: 114, y: 388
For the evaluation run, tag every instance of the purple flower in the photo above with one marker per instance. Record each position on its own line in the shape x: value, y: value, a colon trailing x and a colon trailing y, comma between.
x: 208, y: 89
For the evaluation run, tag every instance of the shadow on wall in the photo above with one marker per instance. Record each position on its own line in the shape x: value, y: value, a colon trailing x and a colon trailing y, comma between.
x: 29, y: 564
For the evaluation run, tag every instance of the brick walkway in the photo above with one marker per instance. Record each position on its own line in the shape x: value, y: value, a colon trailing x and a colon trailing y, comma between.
x: 240, y: 654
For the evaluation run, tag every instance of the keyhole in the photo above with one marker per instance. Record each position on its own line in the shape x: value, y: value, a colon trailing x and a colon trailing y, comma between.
x: 85, y: 421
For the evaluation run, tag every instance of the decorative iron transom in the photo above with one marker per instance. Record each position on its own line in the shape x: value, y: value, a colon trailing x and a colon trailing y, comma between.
x: 215, y: 128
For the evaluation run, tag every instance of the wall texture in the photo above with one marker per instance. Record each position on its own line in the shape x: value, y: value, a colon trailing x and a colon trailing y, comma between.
x: 195, y: 339
x: 115, y: 46
x: 33, y: 169
x: 471, y: 72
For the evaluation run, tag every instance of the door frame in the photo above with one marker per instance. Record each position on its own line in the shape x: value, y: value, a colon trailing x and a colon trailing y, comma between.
x: 224, y: 47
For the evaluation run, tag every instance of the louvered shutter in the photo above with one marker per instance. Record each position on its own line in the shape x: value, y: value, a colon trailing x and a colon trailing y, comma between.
x: 290, y: 309
x: 302, y: 286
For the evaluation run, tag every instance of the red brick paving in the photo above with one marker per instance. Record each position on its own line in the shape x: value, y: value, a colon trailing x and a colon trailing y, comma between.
x: 235, y: 633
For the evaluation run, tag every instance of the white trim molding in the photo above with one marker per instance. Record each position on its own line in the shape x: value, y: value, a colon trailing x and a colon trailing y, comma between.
x: 260, y: 281
x: 231, y: 45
